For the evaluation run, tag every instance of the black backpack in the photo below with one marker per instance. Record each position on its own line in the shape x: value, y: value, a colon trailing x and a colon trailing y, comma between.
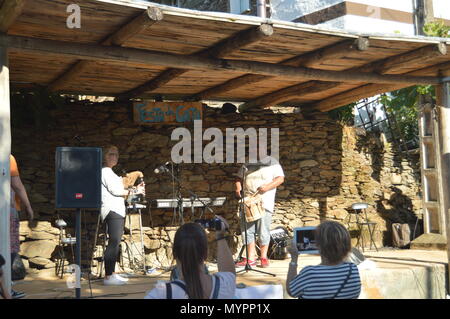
x: 183, y: 286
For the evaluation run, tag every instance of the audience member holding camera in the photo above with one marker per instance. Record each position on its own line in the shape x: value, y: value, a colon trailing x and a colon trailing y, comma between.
x: 333, y: 278
x: 190, y: 249
x: 113, y: 212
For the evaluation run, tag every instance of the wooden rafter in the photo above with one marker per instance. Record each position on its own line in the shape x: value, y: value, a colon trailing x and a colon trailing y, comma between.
x: 315, y: 58
x: 292, y: 91
x: 126, y: 32
x: 220, y: 50
x: 384, y: 66
x: 368, y: 90
x: 312, y: 60
x: 97, y: 52
x: 9, y: 12
x: 396, y: 63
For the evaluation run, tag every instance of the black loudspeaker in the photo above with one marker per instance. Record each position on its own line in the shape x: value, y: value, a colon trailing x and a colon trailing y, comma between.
x: 78, y: 177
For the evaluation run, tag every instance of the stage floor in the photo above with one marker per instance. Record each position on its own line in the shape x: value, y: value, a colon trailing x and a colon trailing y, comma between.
x: 386, y: 274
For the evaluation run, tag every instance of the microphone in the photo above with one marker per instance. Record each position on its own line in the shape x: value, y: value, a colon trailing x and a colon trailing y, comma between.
x: 162, y: 168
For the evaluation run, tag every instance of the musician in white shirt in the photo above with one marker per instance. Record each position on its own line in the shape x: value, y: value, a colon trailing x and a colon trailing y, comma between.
x: 113, y: 212
x: 262, y: 178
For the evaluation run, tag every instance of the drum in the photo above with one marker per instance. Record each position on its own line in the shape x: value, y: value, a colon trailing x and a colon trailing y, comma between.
x: 253, y: 207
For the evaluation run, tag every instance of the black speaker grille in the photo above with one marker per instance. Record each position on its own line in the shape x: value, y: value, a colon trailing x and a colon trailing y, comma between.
x: 78, y: 177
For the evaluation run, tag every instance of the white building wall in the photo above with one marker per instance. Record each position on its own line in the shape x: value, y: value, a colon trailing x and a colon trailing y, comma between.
x: 289, y: 10
x: 360, y: 24
x: 441, y: 9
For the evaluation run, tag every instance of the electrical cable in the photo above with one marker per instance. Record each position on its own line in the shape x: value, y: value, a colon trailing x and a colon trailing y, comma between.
x: 87, y: 252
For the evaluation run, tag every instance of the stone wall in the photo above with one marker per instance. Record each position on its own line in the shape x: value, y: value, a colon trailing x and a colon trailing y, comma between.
x: 328, y: 167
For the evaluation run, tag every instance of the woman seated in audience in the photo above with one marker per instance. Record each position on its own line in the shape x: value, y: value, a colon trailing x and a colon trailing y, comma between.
x: 190, y: 249
x: 333, y: 278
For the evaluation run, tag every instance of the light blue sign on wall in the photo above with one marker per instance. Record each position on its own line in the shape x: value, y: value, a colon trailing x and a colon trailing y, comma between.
x: 167, y: 112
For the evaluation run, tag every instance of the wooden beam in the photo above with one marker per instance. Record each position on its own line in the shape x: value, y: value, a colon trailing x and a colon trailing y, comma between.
x: 287, y: 94
x: 444, y: 153
x: 315, y: 58
x: 141, y: 22
x: 312, y: 59
x: 382, y: 66
x: 5, y: 150
x: 95, y: 52
x: 161, y: 79
x: 220, y: 50
x: 229, y: 86
x: 9, y: 12
x: 236, y: 42
x: 364, y: 91
x: 355, y: 95
x: 396, y: 63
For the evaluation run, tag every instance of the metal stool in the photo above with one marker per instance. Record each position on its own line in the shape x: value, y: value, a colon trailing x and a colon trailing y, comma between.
x: 64, y: 241
x: 358, y: 208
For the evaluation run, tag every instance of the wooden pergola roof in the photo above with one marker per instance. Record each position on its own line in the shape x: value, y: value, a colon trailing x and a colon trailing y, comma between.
x: 130, y: 50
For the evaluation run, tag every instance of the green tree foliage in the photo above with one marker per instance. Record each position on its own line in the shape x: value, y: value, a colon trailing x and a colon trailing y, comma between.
x: 436, y: 29
x: 403, y: 104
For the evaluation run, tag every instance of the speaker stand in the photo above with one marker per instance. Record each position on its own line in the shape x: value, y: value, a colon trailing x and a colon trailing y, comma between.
x: 78, y: 254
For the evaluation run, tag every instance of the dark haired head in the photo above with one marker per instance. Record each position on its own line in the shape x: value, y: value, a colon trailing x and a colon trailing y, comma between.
x: 190, y: 249
x: 228, y: 108
x: 333, y: 240
x: 2, y: 261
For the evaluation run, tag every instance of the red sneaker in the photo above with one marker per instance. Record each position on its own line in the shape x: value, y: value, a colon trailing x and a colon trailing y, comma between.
x: 243, y: 262
x: 264, y: 263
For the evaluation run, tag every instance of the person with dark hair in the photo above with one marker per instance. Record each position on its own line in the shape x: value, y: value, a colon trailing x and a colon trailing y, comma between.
x: 3, y: 291
x: 333, y: 278
x: 113, y: 212
x: 228, y: 108
x: 190, y: 249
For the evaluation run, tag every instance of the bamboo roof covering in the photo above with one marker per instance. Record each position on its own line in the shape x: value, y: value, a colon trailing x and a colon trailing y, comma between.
x: 131, y: 49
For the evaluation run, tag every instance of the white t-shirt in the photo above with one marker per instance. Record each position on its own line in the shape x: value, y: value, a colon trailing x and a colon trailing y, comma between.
x: 226, y: 291
x: 258, y: 176
x: 112, y: 193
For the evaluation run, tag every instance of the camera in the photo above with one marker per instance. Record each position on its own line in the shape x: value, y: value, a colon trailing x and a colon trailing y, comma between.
x: 305, y: 240
x: 210, y: 224
x: 136, y: 198
x: 138, y: 181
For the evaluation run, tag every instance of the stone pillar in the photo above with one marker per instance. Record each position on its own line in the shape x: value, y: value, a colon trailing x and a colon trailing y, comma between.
x: 5, y: 151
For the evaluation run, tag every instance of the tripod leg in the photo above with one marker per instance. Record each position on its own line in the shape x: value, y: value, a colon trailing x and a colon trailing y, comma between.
x: 142, y: 241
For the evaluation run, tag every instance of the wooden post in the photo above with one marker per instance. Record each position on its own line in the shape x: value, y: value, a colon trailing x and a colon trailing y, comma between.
x: 423, y: 13
x: 5, y: 151
x: 443, y: 101
x: 9, y: 12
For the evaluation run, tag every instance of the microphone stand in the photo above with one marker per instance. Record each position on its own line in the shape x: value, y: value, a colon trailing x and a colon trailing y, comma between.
x: 247, y: 267
x: 173, y: 270
x: 191, y: 193
x: 180, y: 207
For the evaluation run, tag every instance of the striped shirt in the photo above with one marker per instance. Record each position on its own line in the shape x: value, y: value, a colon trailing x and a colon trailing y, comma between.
x: 323, y: 282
